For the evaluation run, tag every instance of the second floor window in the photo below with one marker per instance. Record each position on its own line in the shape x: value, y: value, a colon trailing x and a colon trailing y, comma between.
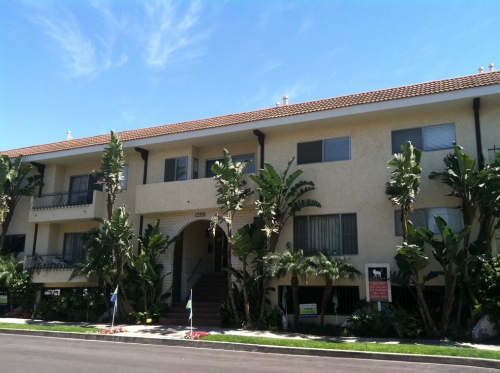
x: 425, y: 218
x: 176, y: 169
x: 81, y: 189
x: 328, y: 150
x: 236, y: 158
x: 73, y: 251
x: 425, y: 138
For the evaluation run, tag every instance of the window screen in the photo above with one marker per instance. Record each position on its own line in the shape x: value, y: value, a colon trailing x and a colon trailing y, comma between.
x: 400, y: 138
x: 439, y: 137
x: 425, y: 218
x: 337, y: 149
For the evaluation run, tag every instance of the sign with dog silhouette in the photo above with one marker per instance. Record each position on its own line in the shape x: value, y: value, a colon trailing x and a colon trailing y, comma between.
x: 378, y: 287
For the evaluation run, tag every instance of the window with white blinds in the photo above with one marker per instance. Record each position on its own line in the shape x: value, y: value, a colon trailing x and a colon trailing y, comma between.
x: 425, y: 138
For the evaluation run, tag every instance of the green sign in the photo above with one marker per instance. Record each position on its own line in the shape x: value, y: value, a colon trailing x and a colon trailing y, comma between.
x: 308, y: 310
x: 3, y: 300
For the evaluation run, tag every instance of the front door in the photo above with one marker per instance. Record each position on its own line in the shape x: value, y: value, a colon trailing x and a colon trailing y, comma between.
x: 220, y: 251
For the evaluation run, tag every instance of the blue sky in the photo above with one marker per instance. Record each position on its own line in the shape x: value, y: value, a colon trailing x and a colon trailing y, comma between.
x: 92, y: 66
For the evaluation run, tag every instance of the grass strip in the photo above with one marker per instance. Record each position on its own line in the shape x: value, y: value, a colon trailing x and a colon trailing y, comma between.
x: 55, y: 328
x: 360, y: 346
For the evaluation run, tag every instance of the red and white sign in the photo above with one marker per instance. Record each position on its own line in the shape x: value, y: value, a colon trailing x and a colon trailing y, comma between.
x: 378, y: 286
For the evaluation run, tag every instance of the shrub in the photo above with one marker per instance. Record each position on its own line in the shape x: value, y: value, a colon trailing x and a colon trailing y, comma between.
x: 489, y: 289
x: 369, y: 323
x: 407, y: 324
x: 273, y: 319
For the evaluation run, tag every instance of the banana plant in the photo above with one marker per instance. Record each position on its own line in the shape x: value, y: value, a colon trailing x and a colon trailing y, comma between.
x: 448, y: 253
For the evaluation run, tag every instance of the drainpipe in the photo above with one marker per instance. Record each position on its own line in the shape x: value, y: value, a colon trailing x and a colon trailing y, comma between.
x: 479, y: 146
x: 144, y: 155
x: 260, y: 138
x: 41, y: 170
x: 34, y: 239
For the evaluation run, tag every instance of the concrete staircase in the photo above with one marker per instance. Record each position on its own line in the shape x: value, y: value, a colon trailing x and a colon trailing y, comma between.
x: 208, y: 293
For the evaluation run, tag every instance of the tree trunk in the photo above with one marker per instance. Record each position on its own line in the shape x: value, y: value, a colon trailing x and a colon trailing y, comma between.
x: 273, y: 241
x: 327, y: 294
x: 230, y: 284
x: 423, y: 305
x: 449, y: 299
x: 5, y: 228
x: 296, y: 308
x: 245, y: 294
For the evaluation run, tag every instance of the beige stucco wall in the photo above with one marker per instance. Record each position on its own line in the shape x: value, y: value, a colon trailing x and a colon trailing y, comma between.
x: 352, y: 186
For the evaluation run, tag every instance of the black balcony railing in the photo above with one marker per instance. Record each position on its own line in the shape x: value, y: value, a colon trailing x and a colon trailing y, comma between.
x: 54, y: 261
x: 61, y: 200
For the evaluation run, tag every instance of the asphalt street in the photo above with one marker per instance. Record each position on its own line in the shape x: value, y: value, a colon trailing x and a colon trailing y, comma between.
x: 53, y: 355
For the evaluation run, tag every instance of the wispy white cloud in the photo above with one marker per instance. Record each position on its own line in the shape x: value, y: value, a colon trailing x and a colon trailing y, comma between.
x: 272, y: 13
x: 171, y: 34
x: 269, y: 66
x: 77, y: 50
x: 84, y: 51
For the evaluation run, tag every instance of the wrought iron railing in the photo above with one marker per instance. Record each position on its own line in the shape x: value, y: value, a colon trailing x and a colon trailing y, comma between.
x: 60, y: 200
x: 54, y: 261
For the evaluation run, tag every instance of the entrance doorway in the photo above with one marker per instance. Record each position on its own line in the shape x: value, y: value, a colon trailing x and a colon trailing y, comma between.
x: 198, y: 253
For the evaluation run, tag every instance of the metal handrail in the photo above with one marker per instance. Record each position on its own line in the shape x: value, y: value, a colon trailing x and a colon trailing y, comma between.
x: 52, y: 261
x: 194, y: 269
x: 62, y: 199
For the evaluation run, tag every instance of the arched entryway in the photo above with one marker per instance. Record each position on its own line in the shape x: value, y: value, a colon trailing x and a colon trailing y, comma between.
x: 197, y: 254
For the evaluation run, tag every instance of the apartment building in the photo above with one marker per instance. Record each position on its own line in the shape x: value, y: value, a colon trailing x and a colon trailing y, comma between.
x: 342, y: 144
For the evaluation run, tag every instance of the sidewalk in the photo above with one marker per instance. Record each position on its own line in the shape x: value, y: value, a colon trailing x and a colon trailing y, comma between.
x: 174, y: 336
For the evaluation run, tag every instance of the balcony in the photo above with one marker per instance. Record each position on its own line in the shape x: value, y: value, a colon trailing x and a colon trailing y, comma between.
x: 67, y: 206
x: 53, y: 268
x: 196, y: 194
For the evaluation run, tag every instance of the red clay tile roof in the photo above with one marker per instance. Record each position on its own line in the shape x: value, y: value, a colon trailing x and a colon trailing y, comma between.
x: 414, y: 90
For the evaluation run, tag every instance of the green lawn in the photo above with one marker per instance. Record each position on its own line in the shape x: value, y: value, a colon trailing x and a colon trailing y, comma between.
x: 55, y: 328
x: 360, y: 346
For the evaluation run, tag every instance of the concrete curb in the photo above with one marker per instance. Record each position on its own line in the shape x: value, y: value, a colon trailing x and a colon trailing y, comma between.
x: 165, y: 341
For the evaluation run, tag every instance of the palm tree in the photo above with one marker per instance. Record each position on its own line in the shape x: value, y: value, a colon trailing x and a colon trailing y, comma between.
x: 331, y: 269
x: 403, y: 189
x: 280, y: 199
x: 111, y: 173
x: 292, y: 263
x: 405, y: 181
x: 10, y: 269
x: 16, y: 184
x: 231, y: 196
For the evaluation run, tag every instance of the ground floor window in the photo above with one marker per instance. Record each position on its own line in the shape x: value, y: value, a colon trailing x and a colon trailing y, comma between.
x: 335, y: 234
x: 348, y: 298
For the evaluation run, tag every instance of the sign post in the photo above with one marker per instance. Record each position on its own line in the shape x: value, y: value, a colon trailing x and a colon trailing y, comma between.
x: 378, y: 286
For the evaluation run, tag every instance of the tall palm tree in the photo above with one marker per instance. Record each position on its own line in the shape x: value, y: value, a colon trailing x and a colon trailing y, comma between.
x: 280, y: 199
x: 293, y: 263
x: 331, y: 269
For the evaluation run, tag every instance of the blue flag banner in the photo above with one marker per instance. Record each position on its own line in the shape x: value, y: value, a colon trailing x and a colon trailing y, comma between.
x: 189, y: 306
x: 335, y: 301
x: 114, y: 297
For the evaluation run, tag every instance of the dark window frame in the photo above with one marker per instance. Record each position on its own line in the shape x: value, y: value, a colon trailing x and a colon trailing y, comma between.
x: 398, y: 229
x: 10, y: 243
x: 421, y: 141
x: 175, y: 173
x: 250, y: 169
x: 311, y: 151
x: 346, y: 246
x: 71, y: 257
